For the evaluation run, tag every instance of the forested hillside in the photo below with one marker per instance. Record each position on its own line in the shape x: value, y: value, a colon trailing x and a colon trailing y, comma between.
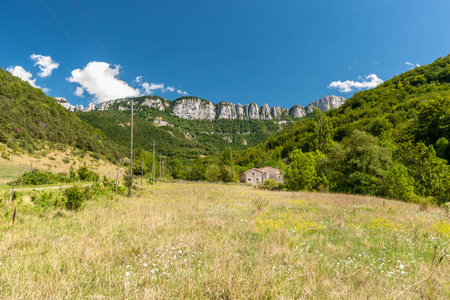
x: 176, y: 137
x: 29, y: 118
x: 392, y: 140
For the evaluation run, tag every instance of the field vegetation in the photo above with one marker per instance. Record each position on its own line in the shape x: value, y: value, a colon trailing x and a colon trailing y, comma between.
x: 191, y: 240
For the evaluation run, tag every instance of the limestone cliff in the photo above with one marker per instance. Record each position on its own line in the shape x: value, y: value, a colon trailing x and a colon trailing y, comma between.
x: 226, y: 110
x: 326, y: 103
x: 194, y: 108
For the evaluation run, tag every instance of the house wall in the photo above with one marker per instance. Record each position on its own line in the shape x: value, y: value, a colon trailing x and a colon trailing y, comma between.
x: 253, y: 177
x: 274, y: 175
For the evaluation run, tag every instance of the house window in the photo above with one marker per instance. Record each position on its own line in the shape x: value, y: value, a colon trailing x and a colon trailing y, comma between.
x: 253, y: 173
x: 249, y: 179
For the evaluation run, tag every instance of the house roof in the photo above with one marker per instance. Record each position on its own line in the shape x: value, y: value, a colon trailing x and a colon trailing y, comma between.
x: 252, y: 169
x: 267, y: 167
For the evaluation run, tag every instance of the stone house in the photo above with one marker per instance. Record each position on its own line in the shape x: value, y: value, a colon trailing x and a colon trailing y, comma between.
x: 259, y: 176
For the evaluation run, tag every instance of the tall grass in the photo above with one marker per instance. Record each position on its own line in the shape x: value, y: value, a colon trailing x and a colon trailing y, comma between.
x: 183, y: 240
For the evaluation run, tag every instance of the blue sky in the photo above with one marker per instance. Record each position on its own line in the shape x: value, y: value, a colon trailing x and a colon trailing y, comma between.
x: 276, y: 52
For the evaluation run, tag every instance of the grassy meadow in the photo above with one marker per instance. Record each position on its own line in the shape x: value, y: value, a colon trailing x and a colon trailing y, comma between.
x: 208, y: 241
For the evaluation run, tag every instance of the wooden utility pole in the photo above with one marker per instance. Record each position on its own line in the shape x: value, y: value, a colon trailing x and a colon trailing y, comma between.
x: 153, y: 164
x: 142, y: 170
x: 160, y: 167
x: 118, y: 172
x: 131, y: 154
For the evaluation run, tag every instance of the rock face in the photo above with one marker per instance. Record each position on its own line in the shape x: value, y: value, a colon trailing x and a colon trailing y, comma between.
x: 252, y: 111
x: 297, y: 111
x: 155, y: 103
x: 326, y: 103
x: 265, y: 112
x: 226, y: 110
x: 65, y: 103
x: 194, y: 108
x: 240, y: 112
x: 106, y: 105
x: 279, y: 112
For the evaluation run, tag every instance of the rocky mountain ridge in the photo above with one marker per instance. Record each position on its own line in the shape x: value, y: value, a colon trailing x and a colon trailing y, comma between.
x: 193, y: 108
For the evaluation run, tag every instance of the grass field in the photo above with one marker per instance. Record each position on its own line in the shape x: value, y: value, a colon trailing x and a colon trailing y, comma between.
x: 206, y: 241
x: 19, y: 162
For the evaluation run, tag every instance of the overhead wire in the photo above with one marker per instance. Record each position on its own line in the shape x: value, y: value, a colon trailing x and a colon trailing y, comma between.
x: 89, y: 25
x: 68, y: 36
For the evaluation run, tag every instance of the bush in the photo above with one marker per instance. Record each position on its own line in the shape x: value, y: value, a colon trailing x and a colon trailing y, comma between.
x: 74, y: 198
x: 270, y: 184
x: 39, y: 178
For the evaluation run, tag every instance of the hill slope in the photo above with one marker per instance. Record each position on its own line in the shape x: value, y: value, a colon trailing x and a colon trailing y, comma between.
x: 399, y: 129
x: 28, y: 117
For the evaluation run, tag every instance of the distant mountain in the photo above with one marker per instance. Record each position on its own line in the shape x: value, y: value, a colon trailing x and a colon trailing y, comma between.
x: 190, y: 127
x: 193, y: 108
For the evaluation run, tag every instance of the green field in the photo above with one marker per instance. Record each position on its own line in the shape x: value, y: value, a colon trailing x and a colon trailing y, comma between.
x: 203, y: 241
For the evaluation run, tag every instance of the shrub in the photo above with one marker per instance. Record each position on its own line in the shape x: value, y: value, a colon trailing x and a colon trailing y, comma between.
x: 74, y: 198
x: 270, y: 184
x: 39, y: 178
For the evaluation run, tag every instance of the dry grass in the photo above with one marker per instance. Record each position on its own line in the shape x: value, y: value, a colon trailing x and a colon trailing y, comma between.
x: 53, y: 161
x: 192, y: 241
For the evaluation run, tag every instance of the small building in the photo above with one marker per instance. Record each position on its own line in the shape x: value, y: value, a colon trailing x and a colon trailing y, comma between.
x: 259, y: 176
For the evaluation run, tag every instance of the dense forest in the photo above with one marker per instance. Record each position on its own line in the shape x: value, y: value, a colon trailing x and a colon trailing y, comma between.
x: 392, y: 141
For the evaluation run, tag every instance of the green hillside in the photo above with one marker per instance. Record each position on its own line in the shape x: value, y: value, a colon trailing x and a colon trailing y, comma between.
x: 395, y: 136
x: 29, y: 118
x: 185, y: 139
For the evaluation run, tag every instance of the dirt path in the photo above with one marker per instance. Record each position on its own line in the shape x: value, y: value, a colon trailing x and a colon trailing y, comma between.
x: 44, y: 187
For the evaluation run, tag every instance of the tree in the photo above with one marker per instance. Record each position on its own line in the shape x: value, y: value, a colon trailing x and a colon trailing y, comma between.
x: 213, y: 173
x: 227, y: 173
x: 322, y: 131
x: 358, y: 164
x: 398, y: 184
x: 303, y: 171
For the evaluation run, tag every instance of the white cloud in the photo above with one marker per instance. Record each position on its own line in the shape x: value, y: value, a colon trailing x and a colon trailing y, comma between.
x: 348, y: 86
x: 23, y: 74
x: 412, y: 65
x: 375, y: 62
x: 138, y: 79
x: 183, y: 93
x: 45, y: 63
x: 150, y: 88
x: 79, y: 91
x: 101, y: 80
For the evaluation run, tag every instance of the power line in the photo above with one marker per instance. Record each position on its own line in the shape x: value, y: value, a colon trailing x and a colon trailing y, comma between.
x: 90, y: 27
x: 68, y: 36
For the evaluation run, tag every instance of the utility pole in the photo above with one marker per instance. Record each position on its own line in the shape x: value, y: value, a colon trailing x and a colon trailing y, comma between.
x: 153, y: 164
x: 142, y: 169
x: 118, y: 172
x: 131, y: 150
x: 160, y: 167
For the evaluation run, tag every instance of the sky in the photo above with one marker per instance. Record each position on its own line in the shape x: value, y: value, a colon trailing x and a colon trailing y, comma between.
x: 281, y: 52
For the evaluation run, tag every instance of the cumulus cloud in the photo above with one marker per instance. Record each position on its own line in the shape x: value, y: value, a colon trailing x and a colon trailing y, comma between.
x: 23, y: 74
x: 45, y: 63
x: 183, y: 93
x: 150, y: 88
x: 79, y: 91
x: 101, y: 80
x: 412, y: 65
x: 348, y: 86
